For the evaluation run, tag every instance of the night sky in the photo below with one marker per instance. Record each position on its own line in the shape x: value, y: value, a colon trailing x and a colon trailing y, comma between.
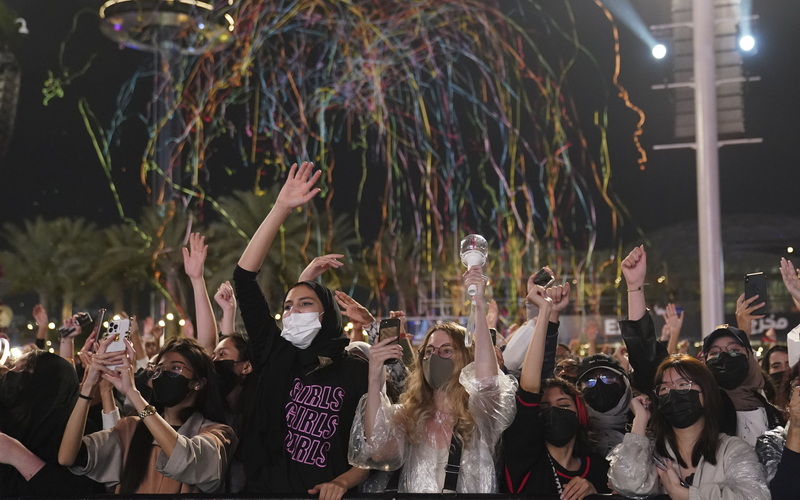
x: 51, y: 170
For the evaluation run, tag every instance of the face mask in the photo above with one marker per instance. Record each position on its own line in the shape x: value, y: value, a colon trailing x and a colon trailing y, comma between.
x: 301, y: 328
x: 559, y: 425
x: 681, y: 410
x: 170, y: 389
x: 777, y: 377
x: 437, y: 371
x: 602, y: 397
x: 227, y: 377
x: 729, y: 371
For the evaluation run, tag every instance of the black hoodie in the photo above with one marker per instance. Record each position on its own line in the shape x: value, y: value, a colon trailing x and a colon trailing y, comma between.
x: 296, y: 435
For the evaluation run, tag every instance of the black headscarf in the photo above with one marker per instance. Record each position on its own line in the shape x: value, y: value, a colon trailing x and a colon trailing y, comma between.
x: 282, y: 368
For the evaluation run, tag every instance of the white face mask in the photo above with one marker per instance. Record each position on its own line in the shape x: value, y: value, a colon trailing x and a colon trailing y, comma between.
x: 301, y: 328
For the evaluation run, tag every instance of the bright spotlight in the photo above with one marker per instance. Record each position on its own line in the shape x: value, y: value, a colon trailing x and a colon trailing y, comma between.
x: 747, y: 43
x: 659, y: 51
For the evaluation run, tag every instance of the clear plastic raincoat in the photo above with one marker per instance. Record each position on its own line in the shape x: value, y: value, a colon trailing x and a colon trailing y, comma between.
x: 492, y: 405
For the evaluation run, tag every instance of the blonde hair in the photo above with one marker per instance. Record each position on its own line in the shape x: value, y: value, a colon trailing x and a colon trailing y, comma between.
x: 417, y: 399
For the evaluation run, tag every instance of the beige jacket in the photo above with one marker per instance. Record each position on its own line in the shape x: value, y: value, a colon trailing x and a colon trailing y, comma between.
x: 199, y: 462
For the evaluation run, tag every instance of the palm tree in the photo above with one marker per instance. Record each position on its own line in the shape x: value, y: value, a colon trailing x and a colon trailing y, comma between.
x: 52, y: 258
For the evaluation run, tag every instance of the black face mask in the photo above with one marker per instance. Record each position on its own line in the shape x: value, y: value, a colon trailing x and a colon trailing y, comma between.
x: 227, y: 377
x: 602, y: 397
x: 559, y: 425
x: 777, y: 377
x: 169, y: 389
x: 681, y: 410
x: 728, y: 370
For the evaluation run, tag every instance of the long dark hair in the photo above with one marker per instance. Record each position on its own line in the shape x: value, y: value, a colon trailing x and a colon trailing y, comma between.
x: 708, y: 441
x: 209, y: 402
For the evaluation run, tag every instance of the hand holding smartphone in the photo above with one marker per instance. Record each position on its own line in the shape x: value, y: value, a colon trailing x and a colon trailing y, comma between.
x: 756, y: 284
x: 389, y: 328
x: 543, y: 278
x: 119, y: 329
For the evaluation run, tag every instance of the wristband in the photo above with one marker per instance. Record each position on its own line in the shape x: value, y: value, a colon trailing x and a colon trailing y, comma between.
x: 87, y: 398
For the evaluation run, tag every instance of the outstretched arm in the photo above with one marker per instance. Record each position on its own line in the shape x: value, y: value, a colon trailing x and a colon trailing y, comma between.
x: 485, y: 357
x: 227, y: 301
x: 634, y: 268
x: 319, y: 265
x: 297, y: 191
x: 531, y: 377
x: 194, y: 258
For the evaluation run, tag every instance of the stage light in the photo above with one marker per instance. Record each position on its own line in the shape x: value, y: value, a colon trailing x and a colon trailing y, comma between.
x: 659, y: 51
x: 747, y: 43
x: 789, y: 249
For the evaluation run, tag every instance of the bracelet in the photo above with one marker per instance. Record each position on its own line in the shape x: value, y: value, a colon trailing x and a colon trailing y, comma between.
x: 87, y: 398
x: 640, y: 289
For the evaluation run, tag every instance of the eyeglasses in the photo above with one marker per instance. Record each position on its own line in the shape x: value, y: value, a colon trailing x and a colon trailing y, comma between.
x: 443, y: 351
x: 572, y: 369
x: 606, y: 379
x: 681, y: 387
x: 172, y: 370
x: 733, y: 349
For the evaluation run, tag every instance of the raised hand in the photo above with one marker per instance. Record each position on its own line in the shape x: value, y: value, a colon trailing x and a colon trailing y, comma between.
x: 99, y: 362
x: 791, y: 278
x: 225, y: 297
x: 744, y: 312
x: 40, y: 315
x: 319, y: 265
x: 122, y: 377
x: 560, y: 296
x: 634, y: 268
x: 299, y: 186
x: 352, y: 309
x: 538, y: 297
x: 474, y: 276
x: 194, y: 257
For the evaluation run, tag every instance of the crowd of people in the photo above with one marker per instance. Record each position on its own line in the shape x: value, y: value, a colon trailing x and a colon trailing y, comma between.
x: 298, y: 407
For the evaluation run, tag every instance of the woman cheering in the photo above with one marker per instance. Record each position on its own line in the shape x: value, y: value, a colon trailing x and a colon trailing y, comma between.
x: 456, y: 405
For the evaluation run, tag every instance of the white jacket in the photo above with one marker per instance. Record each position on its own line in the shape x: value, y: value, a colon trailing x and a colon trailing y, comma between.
x: 737, y: 475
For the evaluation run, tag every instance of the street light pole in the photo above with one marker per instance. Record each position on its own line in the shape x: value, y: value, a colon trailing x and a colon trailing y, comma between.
x: 708, y: 207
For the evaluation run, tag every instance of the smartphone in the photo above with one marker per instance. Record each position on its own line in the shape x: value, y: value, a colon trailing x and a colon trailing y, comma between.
x: 756, y: 284
x: 409, y: 354
x: 389, y: 328
x: 120, y: 329
x: 660, y: 463
x: 543, y: 278
x: 493, y: 334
